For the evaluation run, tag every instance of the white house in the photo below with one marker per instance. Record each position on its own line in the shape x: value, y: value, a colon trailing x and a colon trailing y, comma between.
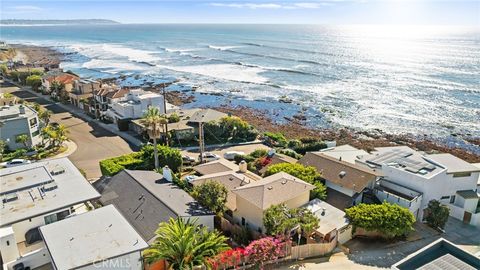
x: 134, y: 104
x: 34, y: 195
x: 99, y: 239
x: 17, y: 120
x: 444, y: 177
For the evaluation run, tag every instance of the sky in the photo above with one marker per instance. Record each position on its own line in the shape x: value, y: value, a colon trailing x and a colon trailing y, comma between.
x: 397, y: 12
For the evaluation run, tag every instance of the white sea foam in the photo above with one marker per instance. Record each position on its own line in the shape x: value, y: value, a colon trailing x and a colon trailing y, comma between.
x: 222, y: 48
x: 224, y: 71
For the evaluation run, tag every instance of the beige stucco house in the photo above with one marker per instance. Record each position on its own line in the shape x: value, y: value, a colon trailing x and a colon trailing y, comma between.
x: 253, y: 199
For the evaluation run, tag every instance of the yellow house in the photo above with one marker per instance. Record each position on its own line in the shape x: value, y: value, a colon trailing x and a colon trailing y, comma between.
x: 253, y: 199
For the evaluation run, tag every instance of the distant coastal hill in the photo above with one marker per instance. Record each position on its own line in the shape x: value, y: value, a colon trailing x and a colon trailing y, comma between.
x: 56, y: 22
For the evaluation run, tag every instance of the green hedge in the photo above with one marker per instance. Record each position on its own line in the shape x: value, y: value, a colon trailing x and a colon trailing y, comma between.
x: 114, y: 165
x: 142, y: 160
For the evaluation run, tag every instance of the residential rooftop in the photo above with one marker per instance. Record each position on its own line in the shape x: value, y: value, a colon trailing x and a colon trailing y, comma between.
x: 330, y: 217
x: 89, y: 238
x: 216, y: 166
x: 272, y: 190
x: 453, y: 163
x: 40, y: 188
x: 230, y: 180
x: 345, y: 152
x: 146, y: 199
x: 342, y: 173
x: 206, y: 115
x: 440, y: 254
x: 402, y: 158
x: 11, y: 112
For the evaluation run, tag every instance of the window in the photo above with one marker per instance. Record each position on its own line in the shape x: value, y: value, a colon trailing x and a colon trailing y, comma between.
x: 56, y: 217
x: 33, y: 122
x: 452, y: 199
x: 445, y: 198
x: 462, y: 174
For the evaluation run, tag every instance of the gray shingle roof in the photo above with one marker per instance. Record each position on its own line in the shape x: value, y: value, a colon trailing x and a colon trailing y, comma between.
x: 146, y: 199
x: 273, y: 190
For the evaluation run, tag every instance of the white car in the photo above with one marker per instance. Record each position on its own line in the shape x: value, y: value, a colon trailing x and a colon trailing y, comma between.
x: 230, y: 155
x: 15, y: 162
x: 190, y: 178
x: 207, y: 157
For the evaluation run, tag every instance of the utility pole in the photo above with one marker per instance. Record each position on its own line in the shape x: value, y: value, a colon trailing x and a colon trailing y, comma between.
x: 165, y: 110
x: 201, y: 140
x: 94, y: 102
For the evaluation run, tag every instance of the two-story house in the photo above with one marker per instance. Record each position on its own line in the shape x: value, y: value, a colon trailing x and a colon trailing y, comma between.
x: 16, y: 120
x: 82, y: 90
x: 66, y: 79
x: 414, y: 179
x: 253, y: 199
x: 133, y: 105
x: 32, y: 196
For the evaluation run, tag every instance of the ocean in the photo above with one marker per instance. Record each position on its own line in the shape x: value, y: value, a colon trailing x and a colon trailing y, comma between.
x: 415, y: 80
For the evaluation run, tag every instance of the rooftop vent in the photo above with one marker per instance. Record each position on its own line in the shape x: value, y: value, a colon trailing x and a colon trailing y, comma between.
x: 49, y: 187
x: 342, y: 174
x: 270, y: 188
x: 284, y: 182
x: 57, y: 170
x: 10, y: 197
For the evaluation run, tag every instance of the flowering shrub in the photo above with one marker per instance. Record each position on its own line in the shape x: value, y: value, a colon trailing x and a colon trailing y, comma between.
x: 228, y: 259
x: 265, y: 249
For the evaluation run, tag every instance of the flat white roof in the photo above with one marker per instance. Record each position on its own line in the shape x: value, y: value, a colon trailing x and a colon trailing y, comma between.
x: 91, y: 237
x: 453, y: 163
x: 346, y: 152
x: 331, y: 218
x: 35, y: 189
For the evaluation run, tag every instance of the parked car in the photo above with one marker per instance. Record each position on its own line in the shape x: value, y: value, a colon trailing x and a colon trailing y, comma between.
x: 187, y: 160
x: 230, y: 155
x: 207, y: 156
x: 190, y: 178
x: 15, y: 162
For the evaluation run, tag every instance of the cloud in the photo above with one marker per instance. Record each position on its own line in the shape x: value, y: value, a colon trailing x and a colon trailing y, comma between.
x: 23, y: 9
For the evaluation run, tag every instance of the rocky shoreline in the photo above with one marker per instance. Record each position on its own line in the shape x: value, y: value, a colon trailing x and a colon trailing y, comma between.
x: 359, y: 139
x: 37, y: 55
x: 294, y: 128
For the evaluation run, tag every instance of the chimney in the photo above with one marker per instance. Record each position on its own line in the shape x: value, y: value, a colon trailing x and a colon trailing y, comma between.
x: 167, y: 174
x: 242, y: 166
x: 21, y: 108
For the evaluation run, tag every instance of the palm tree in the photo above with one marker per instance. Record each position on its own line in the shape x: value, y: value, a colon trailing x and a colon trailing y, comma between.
x: 60, y: 135
x: 152, y: 122
x: 45, y: 116
x: 23, y: 139
x: 183, y: 244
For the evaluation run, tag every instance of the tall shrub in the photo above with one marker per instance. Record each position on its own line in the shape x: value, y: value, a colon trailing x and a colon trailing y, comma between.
x: 389, y: 219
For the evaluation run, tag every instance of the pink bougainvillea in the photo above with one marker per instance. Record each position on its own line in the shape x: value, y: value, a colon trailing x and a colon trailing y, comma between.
x: 265, y: 249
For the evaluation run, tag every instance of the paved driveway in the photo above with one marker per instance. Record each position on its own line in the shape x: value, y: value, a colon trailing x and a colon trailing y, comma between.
x: 94, y: 143
x: 383, y: 254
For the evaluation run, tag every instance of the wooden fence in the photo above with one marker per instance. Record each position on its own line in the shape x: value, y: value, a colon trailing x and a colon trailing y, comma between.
x: 311, y: 250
